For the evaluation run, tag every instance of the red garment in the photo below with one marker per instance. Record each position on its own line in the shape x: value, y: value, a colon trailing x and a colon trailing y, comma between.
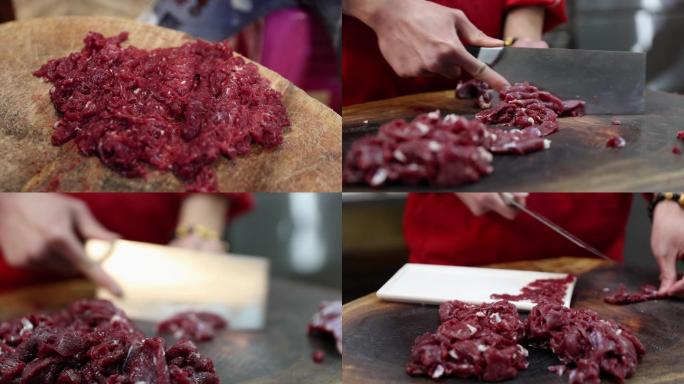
x: 148, y: 217
x: 367, y: 76
x: 439, y: 228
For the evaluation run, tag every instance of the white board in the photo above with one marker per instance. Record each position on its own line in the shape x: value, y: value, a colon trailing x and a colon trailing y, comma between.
x: 435, y: 284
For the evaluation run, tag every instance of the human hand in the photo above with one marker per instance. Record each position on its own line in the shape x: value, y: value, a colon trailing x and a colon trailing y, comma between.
x: 481, y: 203
x: 419, y: 37
x: 47, y: 231
x: 667, y: 244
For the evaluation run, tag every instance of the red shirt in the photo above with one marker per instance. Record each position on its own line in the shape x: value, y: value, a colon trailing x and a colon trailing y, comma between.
x: 439, y: 228
x: 367, y: 76
x: 148, y: 217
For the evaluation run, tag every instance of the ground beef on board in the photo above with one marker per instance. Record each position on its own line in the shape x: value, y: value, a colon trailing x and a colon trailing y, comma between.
x: 588, y: 347
x: 328, y: 321
x: 473, y: 341
x: 196, y: 326
x: 91, y: 341
x: 427, y: 150
x: 541, y: 291
x: 176, y: 109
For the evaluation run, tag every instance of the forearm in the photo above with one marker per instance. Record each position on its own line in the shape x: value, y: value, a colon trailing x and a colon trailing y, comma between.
x: 525, y: 22
x: 207, y: 210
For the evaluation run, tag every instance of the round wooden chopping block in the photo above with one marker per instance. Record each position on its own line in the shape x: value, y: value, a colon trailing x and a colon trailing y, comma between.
x: 308, y: 160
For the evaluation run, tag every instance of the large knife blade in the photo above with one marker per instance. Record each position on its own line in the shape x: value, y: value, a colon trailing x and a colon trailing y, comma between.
x: 508, y: 198
x: 159, y: 281
x: 610, y: 82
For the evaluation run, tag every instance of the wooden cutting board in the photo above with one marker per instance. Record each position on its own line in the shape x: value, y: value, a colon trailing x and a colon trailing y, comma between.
x: 379, y: 335
x: 281, y: 353
x: 577, y: 160
x: 308, y: 160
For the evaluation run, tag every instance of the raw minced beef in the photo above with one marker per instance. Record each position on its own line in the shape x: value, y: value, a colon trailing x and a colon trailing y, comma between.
x: 588, y: 346
x: 177, y: 109
x: 453, y: 150
x: 524, y: 105
x: 476, y: 89
x: 541, y: 291
x: 622, y: 296
x: 197, y: 326
x: 93, y: 342
x: 328, y: 321
x: 430, y: 149
x: 478, y: 341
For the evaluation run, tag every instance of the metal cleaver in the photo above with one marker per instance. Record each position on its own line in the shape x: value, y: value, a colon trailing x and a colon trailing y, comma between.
x: 610, y: 82
x: 159, y: 281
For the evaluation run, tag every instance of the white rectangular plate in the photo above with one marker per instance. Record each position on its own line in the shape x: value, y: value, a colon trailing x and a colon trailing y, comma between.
x: 435, y: 284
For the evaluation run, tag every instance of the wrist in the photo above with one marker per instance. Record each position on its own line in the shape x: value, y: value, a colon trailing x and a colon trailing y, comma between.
x: 525, y: 23
x: 665, y: 199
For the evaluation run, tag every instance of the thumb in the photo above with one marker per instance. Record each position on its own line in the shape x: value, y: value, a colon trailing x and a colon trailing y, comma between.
x: 73, y: 250
x: 677, y: 289
x: 668, y: 272
x: 89, y: 227
x: 473, y: 35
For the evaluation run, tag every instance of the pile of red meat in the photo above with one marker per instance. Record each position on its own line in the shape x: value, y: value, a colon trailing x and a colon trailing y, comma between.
x: 93, y: 342
x: 484, y: 342
x: 328, y: 321
x: 541, y: 291
x: 622, y: 297
x: 586, y: 344
x: 198, y: 326
x: 430, y: 149
x: 523, y: 105
x: 453, y: 150
x: 176, y: 109
x: 477, y: 341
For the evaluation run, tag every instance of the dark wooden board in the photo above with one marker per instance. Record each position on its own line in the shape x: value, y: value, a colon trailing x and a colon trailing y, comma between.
x: 308, y: 160
x: 280, y: 353
x: 577, y: 160
x: 379, y: 335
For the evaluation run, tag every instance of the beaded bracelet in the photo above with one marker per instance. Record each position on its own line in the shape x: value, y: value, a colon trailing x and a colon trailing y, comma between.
x: 202, y: 231
x: 661, y: 196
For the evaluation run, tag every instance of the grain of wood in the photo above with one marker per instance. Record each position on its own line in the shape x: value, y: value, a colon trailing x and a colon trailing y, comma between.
x: 308, y: 160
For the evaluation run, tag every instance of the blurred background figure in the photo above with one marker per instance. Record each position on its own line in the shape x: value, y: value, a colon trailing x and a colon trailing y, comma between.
x: 296, y: 38
x: 299, y: 39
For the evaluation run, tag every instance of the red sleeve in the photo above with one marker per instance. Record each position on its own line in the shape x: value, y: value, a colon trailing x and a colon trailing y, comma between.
x: 555, y: 10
